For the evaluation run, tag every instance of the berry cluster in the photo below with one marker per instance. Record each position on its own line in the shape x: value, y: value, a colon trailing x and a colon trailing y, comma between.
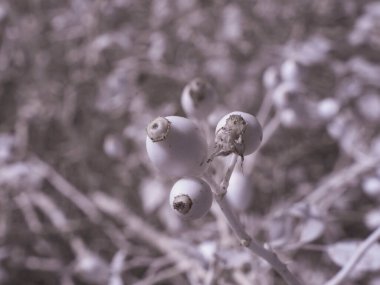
x: 178, y: 148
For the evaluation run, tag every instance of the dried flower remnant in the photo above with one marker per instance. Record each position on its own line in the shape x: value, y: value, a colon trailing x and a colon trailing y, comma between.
x: 198, y: 89
x: 229, y: 138
x: 158, y: 129
x: 182, y: 204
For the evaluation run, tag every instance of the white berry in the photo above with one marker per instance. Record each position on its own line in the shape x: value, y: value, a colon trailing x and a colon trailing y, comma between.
x: 271, y: 78
x: 198, y: 98
x: 290, y: 119
x: 191, y: 198
x: 371, y: 186
x: 239, y: 193
x: 176, y: 146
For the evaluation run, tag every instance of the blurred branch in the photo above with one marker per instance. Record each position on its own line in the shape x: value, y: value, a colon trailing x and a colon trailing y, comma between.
x: 268, y: 132
x: 265, y: 108
x: 336, y: 183
x: 43, y: 264
x: 161, y: 276
x: 69, y: 191
x: 30, y: 215
x: 172, y: 247
x: 51, y: 210
x: 354, y: 259
x: 245, y: 239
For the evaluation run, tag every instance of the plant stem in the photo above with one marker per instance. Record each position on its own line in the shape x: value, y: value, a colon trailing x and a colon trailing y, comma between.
x: 227, y: 176
x: 336, y: 183
x: 355, y: 258
x: 265, y: 107
x: 269, y: 130
x: 245, y: 239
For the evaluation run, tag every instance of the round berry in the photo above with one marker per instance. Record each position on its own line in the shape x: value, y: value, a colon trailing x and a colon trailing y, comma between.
x: 176, y: 146
x: 191, y: 198
x: 239, y: 193
x: 291, y: 70
x: 290, y: 119
x: 198, y: 98
x: 328, y: 108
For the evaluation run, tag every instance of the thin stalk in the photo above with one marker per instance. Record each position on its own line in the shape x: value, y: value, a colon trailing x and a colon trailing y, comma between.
x: 245, y: 239
x: 269, y: 130
x: 355, y: 258
x: 265, y: 107
x: 227, y: 176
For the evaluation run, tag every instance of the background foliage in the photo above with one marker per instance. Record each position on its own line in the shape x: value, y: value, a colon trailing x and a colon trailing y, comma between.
x: 79, y: 81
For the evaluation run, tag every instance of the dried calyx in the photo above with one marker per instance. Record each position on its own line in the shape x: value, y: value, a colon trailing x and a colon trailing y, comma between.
x: 237, y: 132
x: 229, y: 138
x: 158, y: 129
x: 182, y: 204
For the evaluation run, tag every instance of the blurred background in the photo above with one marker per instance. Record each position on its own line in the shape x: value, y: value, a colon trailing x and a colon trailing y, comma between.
x: 79, y: 81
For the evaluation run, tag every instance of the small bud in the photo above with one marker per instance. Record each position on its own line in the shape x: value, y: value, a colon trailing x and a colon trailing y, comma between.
x: 371, y: 186
x: 290, y: 119
x: 113, y: 147
x: 327, y: 108
x: 191, y: 198
x: 198, y: 98
x: 291, y: 71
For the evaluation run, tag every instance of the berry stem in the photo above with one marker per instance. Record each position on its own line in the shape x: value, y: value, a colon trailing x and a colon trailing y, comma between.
x: 265, y: 107
x: 245, y: 239
x: 230, y: 169
x: 269, y: 130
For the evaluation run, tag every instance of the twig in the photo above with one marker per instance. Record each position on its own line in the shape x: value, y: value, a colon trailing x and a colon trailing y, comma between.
x: 51, y: 210
x: 117, y: 263
x: 43, y: 264
x: 269, y: 131
x: 69, y: 191
x: 173, y: 248
x: 30, y: 215
x: 339, y: 180
x: 212, y: 274
x: 241, y: 278
x: 158, y: 264
x: 227, y: 176
x: 355, y: 258
x: 160, y: 276
x: 246, y: 240
x: 265, y: 107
